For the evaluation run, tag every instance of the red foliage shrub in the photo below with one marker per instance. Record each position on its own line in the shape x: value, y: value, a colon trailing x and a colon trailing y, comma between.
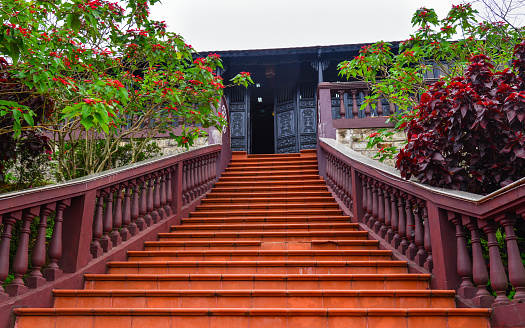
x: 470, y: 133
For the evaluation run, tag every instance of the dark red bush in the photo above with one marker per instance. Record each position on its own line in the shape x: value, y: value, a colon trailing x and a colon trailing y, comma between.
x: 470, y: 133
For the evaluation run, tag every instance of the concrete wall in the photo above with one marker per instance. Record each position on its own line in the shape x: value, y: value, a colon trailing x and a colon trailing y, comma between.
x: 356, y: 139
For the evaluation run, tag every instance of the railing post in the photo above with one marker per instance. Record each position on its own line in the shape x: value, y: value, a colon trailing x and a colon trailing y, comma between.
x: 411, y: 225
x: 95, y: 249
x: 143, y: 203
x: 38, y: 258
x: 126, y: 213
x: 324, y: 110
x: 134, y: 207
x: 466, y: 289
x: 8, y: 220
x: 17, y: 286
x: 387, y: 217
x: 105, y: 241
x: 357, y: 192
x: 480, y: 274
x: 169, y: 193
x: 498, y: 277
x: 56, y: 249
x: 115, y: 237
x: 355, y: 110
x: 177, y: 186
x: 421, y: 255
x: 342, y: 110
x: 443, y: 250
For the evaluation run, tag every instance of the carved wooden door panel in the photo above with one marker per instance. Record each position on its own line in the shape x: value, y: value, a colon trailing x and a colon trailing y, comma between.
x: 307, y: 115
x: 285, y: 119
x: 239, y: 109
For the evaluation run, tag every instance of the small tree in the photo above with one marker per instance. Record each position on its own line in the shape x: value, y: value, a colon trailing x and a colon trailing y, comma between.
x: 444, y: 44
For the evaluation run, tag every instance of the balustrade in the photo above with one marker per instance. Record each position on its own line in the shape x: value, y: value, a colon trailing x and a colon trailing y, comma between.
x: 416, y: 221
x: 122, y: 206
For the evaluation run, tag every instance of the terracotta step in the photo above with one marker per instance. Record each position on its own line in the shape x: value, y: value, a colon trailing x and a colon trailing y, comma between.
x: 264, y: 195
x: 266, y: 226
x: 257, y: 281
x: 261, y: 255
x: 269, y: 212
x: 261, y: 178
x: 265, y: 200
x: 266, y: 236
x: 255, y: 318
x: 257, y: 244
x: 289, y: 155
x: 257, y: 267
x: 272, y: 161
x: 251, y: 168
x: 333, y: 299
x: 291, y: 183
x: 274, y: 219
x: 273, y: 174
x: 270, y: 206
x: 264, y: 190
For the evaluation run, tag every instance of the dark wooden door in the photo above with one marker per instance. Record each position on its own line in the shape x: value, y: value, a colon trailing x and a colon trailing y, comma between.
x: 307, y: 115
x: 285, y: 119
x: 239, y: 118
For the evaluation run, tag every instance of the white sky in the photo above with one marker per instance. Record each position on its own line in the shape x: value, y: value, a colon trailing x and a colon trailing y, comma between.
x: 257, y: 24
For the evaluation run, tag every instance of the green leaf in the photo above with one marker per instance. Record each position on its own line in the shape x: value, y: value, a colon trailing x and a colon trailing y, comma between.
x: 87, y: 122
x: 29, y: 119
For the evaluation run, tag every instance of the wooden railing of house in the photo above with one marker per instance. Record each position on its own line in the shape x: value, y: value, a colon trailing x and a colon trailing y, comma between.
x: 431, y: 227
x: 94, y: 216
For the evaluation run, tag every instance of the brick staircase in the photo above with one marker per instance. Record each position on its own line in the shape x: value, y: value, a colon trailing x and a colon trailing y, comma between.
x: 268, y: 247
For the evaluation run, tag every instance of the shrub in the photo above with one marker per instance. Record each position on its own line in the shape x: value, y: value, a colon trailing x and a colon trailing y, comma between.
x: 470, y: 133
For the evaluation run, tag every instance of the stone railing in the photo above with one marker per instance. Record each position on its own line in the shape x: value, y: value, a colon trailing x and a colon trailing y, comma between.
x: 96, y: 219
x: 436, y: 230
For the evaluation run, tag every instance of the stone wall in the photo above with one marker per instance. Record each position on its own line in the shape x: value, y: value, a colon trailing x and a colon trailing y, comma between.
x: 169, y: 146
x: 356, y: 139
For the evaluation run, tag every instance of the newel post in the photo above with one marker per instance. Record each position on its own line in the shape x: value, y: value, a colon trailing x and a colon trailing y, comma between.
x: 324, y: 110
x: 77, y: 231
x: 443, y: 239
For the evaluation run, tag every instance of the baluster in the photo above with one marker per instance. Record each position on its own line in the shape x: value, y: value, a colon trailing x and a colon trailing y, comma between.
x: 421, y: 255
x: 8, y: 221
x: 404, y: 206
x: 17, y: 286
x: 157, y: 197
x: 480, y: 274
x: 391, y: 212
x: 400, y: 219
x: 375, y: 200
x: 38, y: 258
x: 355, y: 110
x: 339, y: 179
x: 134, y: 215
x: 379, y: 107
x: 464, y: 266
x: 115, y: 237
x: 342, y: 111
x: 150, y: 216
x: 515, y: 265
x: 368, y: 111
x: 202, y: 173
x: 369, y: 203
x: 95, y: 248
x: 54, y: 251
x: 395, y: 209
x: 498, y: 277
x: 412, y: 248
x: 328, y: 170
x: 380, y: 209
x: 364, y: 186
x: 385, y: 210
x: 143, y: 204
x: 198, y: 178
x: 184, y: 182
x: 107, y: 226
x: 391, y: 108
x: 347, y: 187
x: 169, y: 195
x: 126, y: 214
x: 429, y: 263
x: 192, y: 179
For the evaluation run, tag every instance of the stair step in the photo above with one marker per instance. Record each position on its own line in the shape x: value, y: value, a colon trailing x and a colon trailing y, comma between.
x: 256, y: 168
x: 257, y: 267
x: 274, y: 174
x: 246, y: 317
x: 256, y: 176
x: 264, y: 190
x: 268, y: 212
x: 266, y: 236
x: 270, y: 161
x: 263, y: 195
x: 266, y: 226
x: 254, y: 298
x: 261, y: 255
x: 271, y: 206
x: 290, y: 184
x: 266, y: 200
x: 257, y: 244
x: 257, y: 281
x: 278, y: 219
